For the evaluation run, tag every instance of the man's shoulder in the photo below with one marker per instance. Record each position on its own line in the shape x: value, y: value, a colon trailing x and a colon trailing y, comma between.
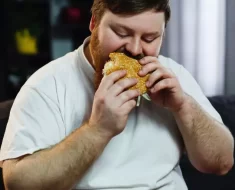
x: 179, y: 70
x: 57, y: 70
x: 169, y: 63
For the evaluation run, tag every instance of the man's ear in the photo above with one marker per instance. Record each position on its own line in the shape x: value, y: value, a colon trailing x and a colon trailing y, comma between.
x: 92, y: 24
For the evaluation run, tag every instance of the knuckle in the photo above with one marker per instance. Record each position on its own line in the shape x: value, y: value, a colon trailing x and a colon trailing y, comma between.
x: 176, y: 81
x: 118, y: 74
x: 121, y: 84
x: 119, y: 113
x: 151, y: 79
x: 114, y: 75
x: 158, y: 86
x: 161, y: 70
x: 152, y: 68
x: 100, y: 98
x: 148, y: 67
x: 125, y: 83
x: 132, y: 103
x: 132, y: 93
x: 162, y: 84
x: 167, y: 82
x: 154, y: 64
x: 111, y: 76
x: 129, y: 94
x: 126, y: 96
x: 155, y: 61
x: 143, y: 59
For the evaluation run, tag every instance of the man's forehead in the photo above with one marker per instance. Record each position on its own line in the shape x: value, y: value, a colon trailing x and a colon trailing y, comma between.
x: 146, y: 14
x: 151, y: 20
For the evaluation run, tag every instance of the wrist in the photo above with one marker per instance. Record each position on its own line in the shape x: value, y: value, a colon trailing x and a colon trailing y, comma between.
x: 184, y: 116
x: 99, y: 132
x: 185, y: 107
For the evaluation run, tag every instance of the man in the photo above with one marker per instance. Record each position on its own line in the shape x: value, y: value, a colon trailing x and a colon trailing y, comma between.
x: 64, y: 132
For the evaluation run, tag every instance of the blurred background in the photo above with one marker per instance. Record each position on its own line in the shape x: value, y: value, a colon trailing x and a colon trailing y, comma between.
x: 200, y: 36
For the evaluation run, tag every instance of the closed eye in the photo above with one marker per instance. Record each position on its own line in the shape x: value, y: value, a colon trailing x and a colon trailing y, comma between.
x: 122, y: 35
x: 150, y: 40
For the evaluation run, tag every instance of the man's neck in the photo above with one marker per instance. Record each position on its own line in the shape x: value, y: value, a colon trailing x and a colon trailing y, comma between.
x: 87, y: 53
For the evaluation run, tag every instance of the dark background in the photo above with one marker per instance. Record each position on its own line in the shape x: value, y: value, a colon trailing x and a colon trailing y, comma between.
x: 70, y: 23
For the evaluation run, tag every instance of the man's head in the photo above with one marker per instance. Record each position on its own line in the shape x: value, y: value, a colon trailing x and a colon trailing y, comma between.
x: 135, y: 27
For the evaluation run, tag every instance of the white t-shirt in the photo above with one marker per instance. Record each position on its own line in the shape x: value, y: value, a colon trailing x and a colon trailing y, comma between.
x: 58, y: 98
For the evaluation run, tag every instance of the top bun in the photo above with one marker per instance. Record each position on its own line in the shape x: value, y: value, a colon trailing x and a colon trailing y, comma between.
x: 119, y: 61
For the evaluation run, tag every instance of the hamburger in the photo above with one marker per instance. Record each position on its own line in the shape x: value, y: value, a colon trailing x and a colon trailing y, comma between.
x: 120, y: 61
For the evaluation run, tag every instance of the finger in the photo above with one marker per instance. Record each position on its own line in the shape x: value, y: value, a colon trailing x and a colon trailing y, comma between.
x: 109, y: 80
x: 128, y: 106
x: 168, y: 83
x: 148, y: 59
x: 149, y: 68
x: 157, y: 75
x: 127, y: 96
x: 122, y: 85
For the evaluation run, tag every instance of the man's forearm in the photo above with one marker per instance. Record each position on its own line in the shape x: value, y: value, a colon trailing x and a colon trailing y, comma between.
x: 209, y: 144
x: 62, y: 166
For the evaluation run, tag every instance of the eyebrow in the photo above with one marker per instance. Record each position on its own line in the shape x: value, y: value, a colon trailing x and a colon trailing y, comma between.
x: 157, y: 33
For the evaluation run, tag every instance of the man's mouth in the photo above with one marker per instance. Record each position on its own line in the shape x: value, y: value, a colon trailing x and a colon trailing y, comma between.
x: 138, y: 57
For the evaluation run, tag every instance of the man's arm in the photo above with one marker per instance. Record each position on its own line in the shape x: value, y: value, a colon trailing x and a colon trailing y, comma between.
x: 59, y: 167
x: 63, y: 165
x: 209, y: 143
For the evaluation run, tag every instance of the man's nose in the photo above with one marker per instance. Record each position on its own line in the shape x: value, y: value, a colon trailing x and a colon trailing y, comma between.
x: 134, y: 47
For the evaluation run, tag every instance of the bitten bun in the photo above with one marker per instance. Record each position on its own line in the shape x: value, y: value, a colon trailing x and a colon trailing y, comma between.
x: 119, y: 61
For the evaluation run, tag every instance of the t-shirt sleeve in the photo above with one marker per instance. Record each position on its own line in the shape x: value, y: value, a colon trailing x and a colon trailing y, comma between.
x: 191, y: 87
x: 35, y: 123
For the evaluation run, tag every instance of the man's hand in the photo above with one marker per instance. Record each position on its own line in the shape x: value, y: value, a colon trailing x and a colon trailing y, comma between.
x: 209, y: 143
x: 112, y: 104
x: 164, y: 87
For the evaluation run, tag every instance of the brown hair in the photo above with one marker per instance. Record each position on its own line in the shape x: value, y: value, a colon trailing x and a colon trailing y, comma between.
x: 129, y: 7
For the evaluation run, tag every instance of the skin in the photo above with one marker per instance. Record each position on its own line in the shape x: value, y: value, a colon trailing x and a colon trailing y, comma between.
x: 208, y: 142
